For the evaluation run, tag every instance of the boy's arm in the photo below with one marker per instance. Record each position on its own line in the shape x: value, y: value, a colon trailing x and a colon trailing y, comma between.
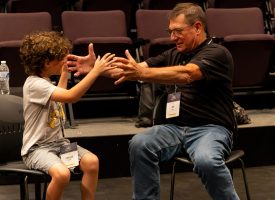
x: 63, y: 80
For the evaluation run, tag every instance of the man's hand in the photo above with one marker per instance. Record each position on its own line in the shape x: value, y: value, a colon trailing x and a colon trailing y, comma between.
x: 131, y: 69
x: 82, y: 64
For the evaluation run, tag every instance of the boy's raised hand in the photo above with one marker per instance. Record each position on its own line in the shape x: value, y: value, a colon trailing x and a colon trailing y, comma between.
x: 82, y: 64
x: 104, y: 64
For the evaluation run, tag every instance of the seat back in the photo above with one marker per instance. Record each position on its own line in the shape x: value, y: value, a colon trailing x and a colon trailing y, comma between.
x: 80, y: 24
x: 14, y: 27
x: 248, y: 43
x: 237, y: 3
x: 129, y: 8
x: 222, y: 22
x: 252, y: 55
x: 110, y: 35
x: 152, y: 28
x: 263, y: 5
x: 53, y: 7
x: 167, y: 5
x: 11, y: 127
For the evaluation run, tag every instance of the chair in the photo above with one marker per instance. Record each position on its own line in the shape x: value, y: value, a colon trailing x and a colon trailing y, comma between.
x: 12, y: 168
x: 249, y: 45
x: 236, y: 155
x: 54, y: 7
x: 167, y: 5
x: 264, y: 5
x: 151, y: 32
x: 110, y: 35
x: 14, y: 27
x: 129, y: 8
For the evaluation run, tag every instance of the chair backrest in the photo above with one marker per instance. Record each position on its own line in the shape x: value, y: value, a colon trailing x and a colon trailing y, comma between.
x: 242, y: 30
x: 152, y: 27
x: 108, y: 32
x: 237, y: 3
x: 16, y: 25
x: 252, y: 55
x: 80, y: 24
x: 129, y: 8
x: 222, y: 22
x: 54, y: 7
x: 11, y: 127
x: 167, y: 5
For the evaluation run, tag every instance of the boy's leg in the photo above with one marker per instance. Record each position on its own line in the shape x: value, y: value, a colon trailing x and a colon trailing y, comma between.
x: 60, y: 179
x: 89, y: 165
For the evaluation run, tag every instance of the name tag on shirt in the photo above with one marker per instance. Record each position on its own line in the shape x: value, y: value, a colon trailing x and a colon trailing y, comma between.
x: 69, y: 155
x: 173, y: 105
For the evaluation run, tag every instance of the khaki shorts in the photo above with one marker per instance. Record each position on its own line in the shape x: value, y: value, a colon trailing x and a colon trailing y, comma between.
x: 44, y: 157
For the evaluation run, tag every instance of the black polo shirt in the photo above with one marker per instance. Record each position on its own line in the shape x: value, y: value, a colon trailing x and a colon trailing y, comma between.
x: 207, y: 101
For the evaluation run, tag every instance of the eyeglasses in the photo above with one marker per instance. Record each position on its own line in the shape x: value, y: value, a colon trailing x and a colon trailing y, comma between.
x: 177, y: 31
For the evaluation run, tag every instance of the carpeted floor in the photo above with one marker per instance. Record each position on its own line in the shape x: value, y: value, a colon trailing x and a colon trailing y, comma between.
x: 188, y: 187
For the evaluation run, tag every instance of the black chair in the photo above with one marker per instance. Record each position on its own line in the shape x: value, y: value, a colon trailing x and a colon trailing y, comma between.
x: 12, y: 168
x: 233, y: 158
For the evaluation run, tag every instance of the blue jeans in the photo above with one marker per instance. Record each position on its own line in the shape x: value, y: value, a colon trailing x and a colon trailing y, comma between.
x: 206, y: 145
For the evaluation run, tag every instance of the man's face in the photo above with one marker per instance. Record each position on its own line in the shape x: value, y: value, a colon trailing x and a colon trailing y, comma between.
x: 183, y: 34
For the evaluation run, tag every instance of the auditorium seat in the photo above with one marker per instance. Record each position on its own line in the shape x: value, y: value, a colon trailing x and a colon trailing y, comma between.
x: 14, y: 27
x: 54, y: 7
x: 129, y: 8
x: 107, y: 35
x: 167, y: 5
x: 249, y: 45
x: 152, y: 32
x: 264, y: 5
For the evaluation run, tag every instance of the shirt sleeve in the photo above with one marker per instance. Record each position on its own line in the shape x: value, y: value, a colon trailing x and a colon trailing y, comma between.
x: 215, y: 62
x: 159, y: 60
x: 40, y: 90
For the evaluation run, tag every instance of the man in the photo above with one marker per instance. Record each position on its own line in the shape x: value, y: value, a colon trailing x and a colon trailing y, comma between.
x: 199, y: 109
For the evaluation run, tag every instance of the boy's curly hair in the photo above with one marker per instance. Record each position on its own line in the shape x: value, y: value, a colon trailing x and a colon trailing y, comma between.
x: 41, y: 47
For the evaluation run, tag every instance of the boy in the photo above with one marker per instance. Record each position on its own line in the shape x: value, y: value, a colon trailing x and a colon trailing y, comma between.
x: 44, y: 54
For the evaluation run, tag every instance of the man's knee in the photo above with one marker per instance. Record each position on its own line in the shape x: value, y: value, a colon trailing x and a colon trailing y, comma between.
x: 207, y: 162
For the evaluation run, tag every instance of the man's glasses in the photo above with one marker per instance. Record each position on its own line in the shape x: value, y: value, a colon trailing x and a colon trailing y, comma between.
x: 177, y: 31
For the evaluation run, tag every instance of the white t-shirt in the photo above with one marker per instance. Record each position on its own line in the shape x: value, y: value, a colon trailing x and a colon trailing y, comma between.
x: 43, y: 118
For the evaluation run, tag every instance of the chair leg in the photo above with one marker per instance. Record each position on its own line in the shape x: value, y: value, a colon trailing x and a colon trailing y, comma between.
x: 172, y: 181
x: 71, y: 115
x: 37, y: 191
x: 26, y: 189
x: 45, y: 188
x: 245, y: 180
x: 22, y: 190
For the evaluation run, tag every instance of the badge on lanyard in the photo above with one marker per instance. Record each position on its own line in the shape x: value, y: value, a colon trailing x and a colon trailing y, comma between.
x: 173, y: 105
x: 69, y: 155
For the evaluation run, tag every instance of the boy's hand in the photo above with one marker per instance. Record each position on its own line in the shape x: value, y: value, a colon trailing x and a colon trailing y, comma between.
x: 104, y: 64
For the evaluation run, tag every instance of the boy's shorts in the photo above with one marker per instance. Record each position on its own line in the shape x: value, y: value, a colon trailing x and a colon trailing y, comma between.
x: 45, y: 156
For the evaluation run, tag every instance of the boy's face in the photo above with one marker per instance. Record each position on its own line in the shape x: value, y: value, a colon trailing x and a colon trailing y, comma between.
x: 56, y: 66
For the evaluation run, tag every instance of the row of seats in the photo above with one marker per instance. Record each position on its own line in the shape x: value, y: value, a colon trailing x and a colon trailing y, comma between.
x: 129, y: 7
x: 251, y: 52
x: 110, y: 35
